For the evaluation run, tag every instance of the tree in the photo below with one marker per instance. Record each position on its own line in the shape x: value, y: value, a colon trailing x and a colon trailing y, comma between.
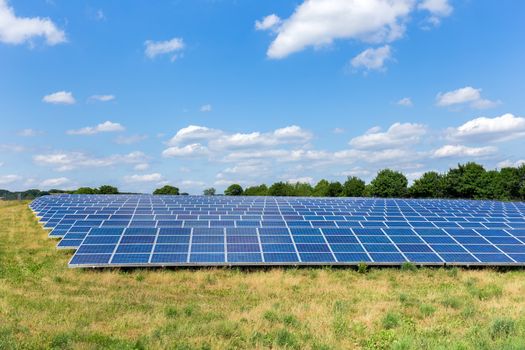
x: 86, y: 190
x: 233, y: 190
x: 281, y: 189
x: 302, y: 189
x: 353, y: 187
x: 389, y: 183
x: 261, y: 190
x: 335, y: 189
x: 167, y: 190
x: 107, y: 189
x: 429, y: 185
x: 465, y: 181
x: 322, y: 188
x: 209, y: 192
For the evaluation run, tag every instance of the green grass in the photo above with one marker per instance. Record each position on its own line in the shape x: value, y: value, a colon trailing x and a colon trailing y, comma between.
x: 45, y: 305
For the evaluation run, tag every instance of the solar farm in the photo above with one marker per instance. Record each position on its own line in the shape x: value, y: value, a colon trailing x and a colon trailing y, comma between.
x: 147, y: 230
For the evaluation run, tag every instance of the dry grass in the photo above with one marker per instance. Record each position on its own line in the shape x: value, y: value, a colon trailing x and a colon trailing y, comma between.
x: 43, y: 304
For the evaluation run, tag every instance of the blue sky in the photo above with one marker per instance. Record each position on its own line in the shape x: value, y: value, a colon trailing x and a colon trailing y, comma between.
x: 207, y: 93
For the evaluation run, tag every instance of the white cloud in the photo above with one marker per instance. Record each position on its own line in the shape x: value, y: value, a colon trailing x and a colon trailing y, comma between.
x: 1, y: 164
x: 192, y: 183
x: 191, y: 150
x: 18, y: 30
x: 29, y: 132
x: 319, y: 22
x: 372, y: 59
x: 511, y: 164
x: 338, y: 130
x: 269, y: 22
x: 503, y: 128
x: 305, y: 179
x: 156, y: 48
x: 128, y: 140
x: 141, y: 166
x: 205, y: 108
x: 437, y: 9
x: 65, y: 161
x: 397, y: 135
x: 59, y: 98
x: 193, y: 133
x: 102, y: 98
x: 459, y: 151
x: 8, y: 179
x: 107, y: 126
x: 463, y: 96
x: 154, y: 177
x: 405, y: 101
x: 59, y: 181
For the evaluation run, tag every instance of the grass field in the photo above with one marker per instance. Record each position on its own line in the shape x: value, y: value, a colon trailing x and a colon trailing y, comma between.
x: 43, y: 304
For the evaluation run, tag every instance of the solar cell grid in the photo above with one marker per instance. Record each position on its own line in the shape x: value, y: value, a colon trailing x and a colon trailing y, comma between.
x: 255, y: 230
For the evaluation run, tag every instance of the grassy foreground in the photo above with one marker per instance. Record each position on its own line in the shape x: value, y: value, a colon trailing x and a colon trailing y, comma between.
x: 43, y: 304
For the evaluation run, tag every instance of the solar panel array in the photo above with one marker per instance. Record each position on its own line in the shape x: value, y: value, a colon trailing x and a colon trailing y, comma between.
x: 147, y: 230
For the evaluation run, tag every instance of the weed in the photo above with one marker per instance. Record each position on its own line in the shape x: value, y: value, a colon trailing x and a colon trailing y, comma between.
x: 362, y: 268
x: 502, y: 328
x: 408, y: 266
x: 391, y: 320
x: 427, y: 310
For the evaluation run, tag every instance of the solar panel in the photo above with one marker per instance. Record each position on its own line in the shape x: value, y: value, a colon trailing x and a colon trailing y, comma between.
x: 147, y: 230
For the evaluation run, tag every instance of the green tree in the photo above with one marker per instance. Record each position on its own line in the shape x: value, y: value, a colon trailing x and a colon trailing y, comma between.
x: 302, y: 189
x: 261, y: 190
x: 335, y: 189
x: 209, y: 192
x: 465, y: 181
x: 86, y: 190
x: 491, y: 186
x: 353, y: 187
x: 107, y: 189
x: 281, y: 189
x: 167, y: 190
x: 321, y: 189
x: 234, y: 190
x: 429, y: 185
x: 389, y: 183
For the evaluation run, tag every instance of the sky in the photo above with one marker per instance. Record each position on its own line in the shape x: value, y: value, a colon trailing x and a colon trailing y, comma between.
x: 206, y: 93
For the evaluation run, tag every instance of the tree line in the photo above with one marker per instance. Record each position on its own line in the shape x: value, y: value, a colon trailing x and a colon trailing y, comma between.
x: 467, y: 181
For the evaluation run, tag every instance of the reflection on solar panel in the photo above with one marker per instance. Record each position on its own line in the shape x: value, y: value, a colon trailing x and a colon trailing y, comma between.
x: 146, y: 230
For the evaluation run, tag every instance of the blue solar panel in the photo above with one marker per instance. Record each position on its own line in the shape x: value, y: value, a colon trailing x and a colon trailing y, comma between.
x: 140, y: 230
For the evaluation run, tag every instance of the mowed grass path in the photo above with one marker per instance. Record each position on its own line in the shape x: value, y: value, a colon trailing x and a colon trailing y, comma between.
x: 44, y: 304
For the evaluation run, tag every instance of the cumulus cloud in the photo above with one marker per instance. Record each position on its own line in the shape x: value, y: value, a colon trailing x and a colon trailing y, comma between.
x: 205, y: 108
x: 464, y: 96
x: 107, y: 126
x: 193, y: 133
x: 191, y: 150
x: 405, y: 101
x: 459, y: 151
x: 9, y: 179
x: 60, y: 98
x: 437, y: 9
x: 503, y: 128
x: 317, y: 23
x: 65, y: 161
x: 372, y: 59
x: 173, y: 47
x: 54, y: 182
x: 102, y: 98
x: 18, y: 30
x: 269, y: 22
x: 141, y: 166
x: 154, y: 177
x: 397, y: 135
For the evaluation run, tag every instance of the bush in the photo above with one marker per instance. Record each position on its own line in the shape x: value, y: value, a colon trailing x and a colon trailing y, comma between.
x: 209, y: 192
x: 86, y: 190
